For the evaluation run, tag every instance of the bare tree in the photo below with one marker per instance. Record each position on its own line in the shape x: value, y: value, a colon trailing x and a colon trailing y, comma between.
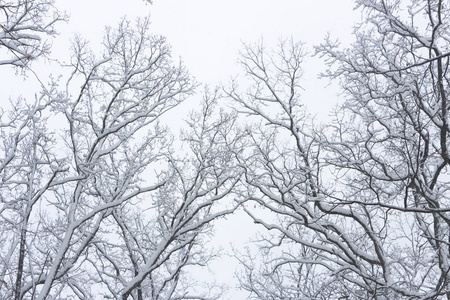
x: 93, y: 199
x: 283, y: 178
x: 356, y: 209
x: 185, y: 207
x: 395, y: 76
x: 28, y: 169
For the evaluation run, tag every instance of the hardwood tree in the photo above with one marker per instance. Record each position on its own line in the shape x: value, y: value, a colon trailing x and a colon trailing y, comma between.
x: 94, y: 200
x: 356, y: 209
x: 395, y: 77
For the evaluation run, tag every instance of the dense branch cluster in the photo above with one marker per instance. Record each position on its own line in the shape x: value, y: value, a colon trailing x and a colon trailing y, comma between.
x: 362, y: 204
x: 24, y: 26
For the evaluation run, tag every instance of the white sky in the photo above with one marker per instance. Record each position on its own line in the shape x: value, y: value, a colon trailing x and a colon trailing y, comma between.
x: 208, y: 34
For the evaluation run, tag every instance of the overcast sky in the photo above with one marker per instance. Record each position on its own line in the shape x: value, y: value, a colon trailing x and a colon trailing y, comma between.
x: 208, y: 34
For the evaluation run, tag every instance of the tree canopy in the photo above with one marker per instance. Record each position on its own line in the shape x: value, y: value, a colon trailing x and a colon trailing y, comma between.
x: 99, y: 198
